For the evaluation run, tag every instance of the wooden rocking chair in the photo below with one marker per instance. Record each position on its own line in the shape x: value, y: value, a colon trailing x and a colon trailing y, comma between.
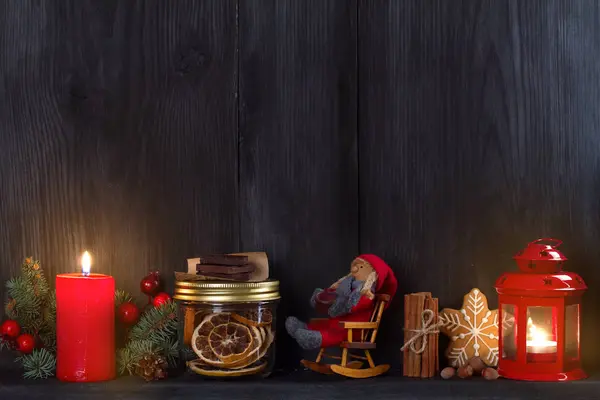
x: 353, y: 369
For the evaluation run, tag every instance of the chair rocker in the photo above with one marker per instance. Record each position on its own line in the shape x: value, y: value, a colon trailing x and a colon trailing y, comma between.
x: 368, y: 333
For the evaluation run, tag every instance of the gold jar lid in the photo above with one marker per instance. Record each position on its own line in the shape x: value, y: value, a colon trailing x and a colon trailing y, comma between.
x: 226, y: 292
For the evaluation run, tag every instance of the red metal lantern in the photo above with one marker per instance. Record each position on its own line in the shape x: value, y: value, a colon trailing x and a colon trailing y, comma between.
x: 540, y: 307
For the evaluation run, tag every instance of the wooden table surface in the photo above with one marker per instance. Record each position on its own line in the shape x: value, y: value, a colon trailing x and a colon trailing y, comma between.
x: 297, y: 385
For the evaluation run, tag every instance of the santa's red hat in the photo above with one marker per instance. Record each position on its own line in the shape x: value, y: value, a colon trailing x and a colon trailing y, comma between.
x: 386, y: 280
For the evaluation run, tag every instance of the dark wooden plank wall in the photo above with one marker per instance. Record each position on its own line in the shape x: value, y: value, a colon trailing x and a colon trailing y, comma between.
x: 478, y: 134
x: 441, y: 135
x: 119, y: 134
x: 298, y: 160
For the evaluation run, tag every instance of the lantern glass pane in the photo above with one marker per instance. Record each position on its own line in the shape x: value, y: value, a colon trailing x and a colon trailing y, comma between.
x: 541, y: 334
x: 572, y: 331
x: 509, y: 339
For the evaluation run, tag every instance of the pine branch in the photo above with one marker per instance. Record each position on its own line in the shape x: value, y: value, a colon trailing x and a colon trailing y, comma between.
x: 5, y: 345
x: 170, y: 350
x: 154, y: 334
x: 9, y: 309
x: 126, y: 361
x: 29, y: 297
x: 33, y: 305
x: 121, y: 297
x: 16, y: 284
x: 48, y: 338
x: 133, y: 353
x: 32, y: 270
x: 50, y: 309
x: 40, y: 364
x: 158, y: 324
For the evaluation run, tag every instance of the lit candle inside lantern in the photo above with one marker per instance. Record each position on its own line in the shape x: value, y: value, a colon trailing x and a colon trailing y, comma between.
x: 537, y: 341
x: 85, y: 325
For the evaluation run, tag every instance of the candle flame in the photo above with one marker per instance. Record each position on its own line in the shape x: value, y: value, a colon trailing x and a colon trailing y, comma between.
x: 86, y: 263
x: 536, y: 334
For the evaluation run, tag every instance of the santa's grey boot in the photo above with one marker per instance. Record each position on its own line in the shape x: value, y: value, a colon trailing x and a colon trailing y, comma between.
x: 292, y: 324
x: 308, y: 339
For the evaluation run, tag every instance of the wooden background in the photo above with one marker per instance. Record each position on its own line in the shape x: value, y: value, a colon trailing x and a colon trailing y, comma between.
x: 443, y: 136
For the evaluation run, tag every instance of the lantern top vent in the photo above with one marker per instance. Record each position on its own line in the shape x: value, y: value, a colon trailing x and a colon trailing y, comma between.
x: 541, y: 257
x: 540, y: 285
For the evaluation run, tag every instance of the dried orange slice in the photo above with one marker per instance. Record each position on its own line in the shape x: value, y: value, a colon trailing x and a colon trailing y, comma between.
x: 200, y: 368
x: 262, y: 317
x: 222, y: 341
x: 254, y: 355
x: 263, y: 333
x: 231, y: 342
x: 266, y: 343
x: 199, y: 341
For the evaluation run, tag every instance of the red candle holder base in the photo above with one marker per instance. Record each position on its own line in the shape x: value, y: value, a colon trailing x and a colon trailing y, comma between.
x: 573, y: 375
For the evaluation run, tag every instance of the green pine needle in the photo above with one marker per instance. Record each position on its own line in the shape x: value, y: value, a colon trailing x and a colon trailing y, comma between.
x: 129, y: 357
x: 50, y: 315
x: 40, y: 364
x: 121, y: 297
x: 30, y: 297
x: 4, y: 345
x: 48, y: 338
x: 33, y: 305
x: 170, y: 350
x: 157, y: 324
x: 156, y: 334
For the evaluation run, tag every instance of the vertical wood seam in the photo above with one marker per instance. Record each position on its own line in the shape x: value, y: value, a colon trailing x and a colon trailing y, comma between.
x: 357, y: 129
x: 237, y: 122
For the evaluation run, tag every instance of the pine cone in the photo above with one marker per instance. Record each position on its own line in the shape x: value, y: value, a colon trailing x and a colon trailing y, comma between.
x: 152, y: 367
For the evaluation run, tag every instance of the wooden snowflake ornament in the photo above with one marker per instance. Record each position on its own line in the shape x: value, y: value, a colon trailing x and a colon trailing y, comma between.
x: 473, y: 331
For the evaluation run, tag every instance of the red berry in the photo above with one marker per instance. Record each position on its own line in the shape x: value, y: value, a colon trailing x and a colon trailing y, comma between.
x: 160, y: 299
x: 128, y: 313
x: 150, y: 285
x: 10, y: 329
x: 25, y: 343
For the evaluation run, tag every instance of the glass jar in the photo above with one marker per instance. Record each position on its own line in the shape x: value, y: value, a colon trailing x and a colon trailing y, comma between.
x: 227, y: 329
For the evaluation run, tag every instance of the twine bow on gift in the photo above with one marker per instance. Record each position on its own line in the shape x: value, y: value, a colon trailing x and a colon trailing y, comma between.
x: 427, y: 327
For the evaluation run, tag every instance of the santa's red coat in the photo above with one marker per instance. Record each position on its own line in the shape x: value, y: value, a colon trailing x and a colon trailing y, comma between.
x: 333, y: 333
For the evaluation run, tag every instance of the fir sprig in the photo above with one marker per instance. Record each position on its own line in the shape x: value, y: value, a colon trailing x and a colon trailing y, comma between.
x: 154, y: 334
x: 48, y: 338
x: 40, y: 364
x: 121, y: 297
x: 130, y: 356
x: 170, y: 350
x: 5, y: 345
x: 29, y: 298
x: 32, y: 304
x: 158, y: 324
x: 23, y: 305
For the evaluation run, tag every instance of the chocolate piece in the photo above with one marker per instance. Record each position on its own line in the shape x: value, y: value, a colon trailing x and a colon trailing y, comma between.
x: 223, y: 259
x: 225, y: 269
x: 235, y: 277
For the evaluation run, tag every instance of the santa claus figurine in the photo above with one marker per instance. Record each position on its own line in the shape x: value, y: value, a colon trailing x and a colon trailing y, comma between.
x: 351, y: 298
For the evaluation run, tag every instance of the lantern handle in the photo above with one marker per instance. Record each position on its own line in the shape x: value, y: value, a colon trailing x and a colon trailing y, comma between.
x: 557, y: 241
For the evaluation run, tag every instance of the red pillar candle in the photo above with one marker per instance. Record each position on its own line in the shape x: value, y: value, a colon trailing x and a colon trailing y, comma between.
x: 85, y: 326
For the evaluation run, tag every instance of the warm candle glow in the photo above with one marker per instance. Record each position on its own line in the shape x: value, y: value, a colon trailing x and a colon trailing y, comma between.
x: 537, y: 335
x: 537, y: 340
x: 86, y: 263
